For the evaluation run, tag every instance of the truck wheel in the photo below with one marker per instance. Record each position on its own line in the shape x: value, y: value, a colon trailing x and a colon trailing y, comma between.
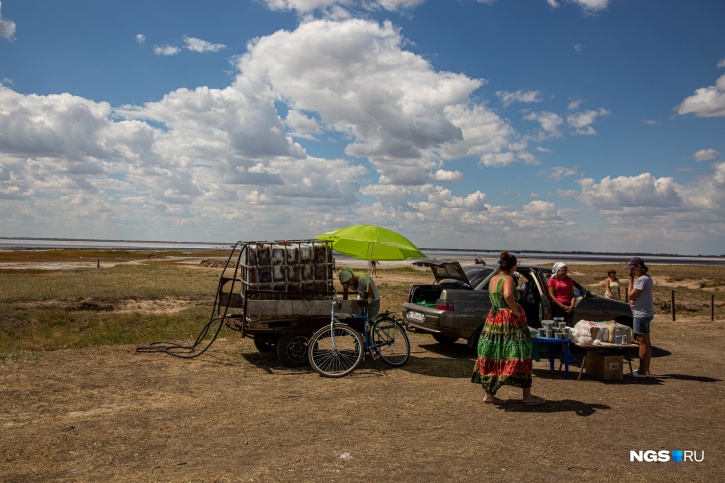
x: 444, y: 339
x: 265, y: 343
x: 292, y: 349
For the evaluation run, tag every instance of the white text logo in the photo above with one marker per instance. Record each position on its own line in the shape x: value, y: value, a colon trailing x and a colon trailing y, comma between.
x: 663, y: 456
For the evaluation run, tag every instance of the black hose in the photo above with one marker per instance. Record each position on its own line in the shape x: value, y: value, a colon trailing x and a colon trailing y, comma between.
x: 189, y: 351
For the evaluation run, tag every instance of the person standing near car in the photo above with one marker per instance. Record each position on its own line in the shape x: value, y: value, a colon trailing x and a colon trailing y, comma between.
x: 504, y: 348
x: 561, y: 293
x: 365, y: 288
x: 643, y: 311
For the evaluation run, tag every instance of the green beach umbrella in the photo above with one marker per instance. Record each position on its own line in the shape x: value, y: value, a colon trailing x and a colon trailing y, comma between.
x: 370, y: 242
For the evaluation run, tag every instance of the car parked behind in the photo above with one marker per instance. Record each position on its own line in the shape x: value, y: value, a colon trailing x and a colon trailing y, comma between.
x: 456, y: 304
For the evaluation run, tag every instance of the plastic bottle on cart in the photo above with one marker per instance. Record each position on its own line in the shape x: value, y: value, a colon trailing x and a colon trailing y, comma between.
x: 618, y: 340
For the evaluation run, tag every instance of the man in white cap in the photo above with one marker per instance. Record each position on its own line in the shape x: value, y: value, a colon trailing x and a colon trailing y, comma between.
x: 365, y: 288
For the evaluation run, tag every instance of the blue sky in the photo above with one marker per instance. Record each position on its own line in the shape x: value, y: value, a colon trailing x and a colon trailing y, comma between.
x: 592, y: 125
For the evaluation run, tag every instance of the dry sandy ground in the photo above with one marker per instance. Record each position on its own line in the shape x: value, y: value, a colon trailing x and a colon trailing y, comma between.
x: 111, y: 414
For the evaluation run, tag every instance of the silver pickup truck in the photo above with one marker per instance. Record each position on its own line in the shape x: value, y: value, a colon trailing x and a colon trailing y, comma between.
x: 456, y: 304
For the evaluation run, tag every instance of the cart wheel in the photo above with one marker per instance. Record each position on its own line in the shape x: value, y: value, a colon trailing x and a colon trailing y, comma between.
x: 265, y: 343
x: 292, y: 349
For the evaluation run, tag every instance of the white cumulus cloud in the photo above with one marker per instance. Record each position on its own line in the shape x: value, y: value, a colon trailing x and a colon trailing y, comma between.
x: 198, y: 45
x: 592, y: 5
x: 306, y: 6
x: 561, y: 172
x: 7, y: 27
x: 210, y: 154
x: 508, y: 98
x: 631, y: 191
x: 706, y: 102
x: 550, y: 123
x: 582, y: 121
x: 302, y: 125
x: 445, y: 176
x: 650, y: 213
x: 166, y: 50
x: 398, y: 112
x: 705, y: 155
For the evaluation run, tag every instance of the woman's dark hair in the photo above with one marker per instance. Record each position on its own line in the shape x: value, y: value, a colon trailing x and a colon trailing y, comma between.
x: 507, y: 261
x: 644, y: 267
x: 612, y: 272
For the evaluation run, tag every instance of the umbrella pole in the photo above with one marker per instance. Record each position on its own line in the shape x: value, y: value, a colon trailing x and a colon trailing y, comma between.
x: 370, y: 259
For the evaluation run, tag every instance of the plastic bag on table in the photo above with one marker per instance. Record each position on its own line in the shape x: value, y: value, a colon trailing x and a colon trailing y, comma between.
x: 584, y: 332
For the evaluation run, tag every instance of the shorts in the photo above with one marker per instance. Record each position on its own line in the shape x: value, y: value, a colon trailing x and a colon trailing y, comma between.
x: 641, y: 325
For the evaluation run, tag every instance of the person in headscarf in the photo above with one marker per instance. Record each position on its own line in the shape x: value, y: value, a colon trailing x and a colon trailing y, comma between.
x: 365, y: 288
x: 561, y: 293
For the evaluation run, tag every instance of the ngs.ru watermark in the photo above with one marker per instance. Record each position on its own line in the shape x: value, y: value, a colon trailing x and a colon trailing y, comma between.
x: 664, y: 456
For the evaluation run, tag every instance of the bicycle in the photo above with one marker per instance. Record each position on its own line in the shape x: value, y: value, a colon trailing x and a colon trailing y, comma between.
x: 337, y: 349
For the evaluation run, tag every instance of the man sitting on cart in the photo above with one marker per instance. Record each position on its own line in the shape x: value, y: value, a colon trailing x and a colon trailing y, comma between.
x: 365, y: 288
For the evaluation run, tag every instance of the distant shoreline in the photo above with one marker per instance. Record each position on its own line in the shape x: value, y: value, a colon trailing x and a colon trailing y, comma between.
x: 460, y: 254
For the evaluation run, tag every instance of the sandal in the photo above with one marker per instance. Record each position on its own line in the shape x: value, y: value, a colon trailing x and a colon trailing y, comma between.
x: 494, y: 401
x: 535, y: 401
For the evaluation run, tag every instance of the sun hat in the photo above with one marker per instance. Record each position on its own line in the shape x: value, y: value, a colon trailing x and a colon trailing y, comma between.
x: 345, y: 274
x: 634, y: 262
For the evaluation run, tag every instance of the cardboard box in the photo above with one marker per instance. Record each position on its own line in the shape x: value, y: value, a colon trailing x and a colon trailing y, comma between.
x: 604, y: 365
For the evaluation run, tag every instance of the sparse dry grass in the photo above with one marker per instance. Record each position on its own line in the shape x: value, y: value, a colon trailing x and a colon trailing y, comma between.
x: 58, y: 309
x: 693, y: 285
x: 55, y: 309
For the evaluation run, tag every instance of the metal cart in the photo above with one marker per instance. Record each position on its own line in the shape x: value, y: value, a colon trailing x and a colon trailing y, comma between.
x: 279, y: 293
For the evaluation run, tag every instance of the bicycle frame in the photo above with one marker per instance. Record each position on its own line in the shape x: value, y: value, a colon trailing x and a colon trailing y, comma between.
x: 367, y: 345
x: 337, y: 349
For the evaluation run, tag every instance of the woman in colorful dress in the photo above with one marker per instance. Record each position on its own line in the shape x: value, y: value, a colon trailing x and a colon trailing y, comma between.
x: 504, y: 349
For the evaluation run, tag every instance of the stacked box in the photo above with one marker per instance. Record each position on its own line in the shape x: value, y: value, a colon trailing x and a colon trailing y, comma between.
x: 288, y: 270
x: 604, y: 365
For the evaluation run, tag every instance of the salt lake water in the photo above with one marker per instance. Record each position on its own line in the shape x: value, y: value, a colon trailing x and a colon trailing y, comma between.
x: 489, y: 256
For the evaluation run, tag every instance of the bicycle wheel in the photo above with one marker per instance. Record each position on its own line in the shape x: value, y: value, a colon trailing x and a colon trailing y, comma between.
x: 390, y: 341
x: 335, y: 356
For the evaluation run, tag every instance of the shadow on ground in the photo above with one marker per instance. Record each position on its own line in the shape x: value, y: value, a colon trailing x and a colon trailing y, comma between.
x: 450, y: 350
x: 551, y: 406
